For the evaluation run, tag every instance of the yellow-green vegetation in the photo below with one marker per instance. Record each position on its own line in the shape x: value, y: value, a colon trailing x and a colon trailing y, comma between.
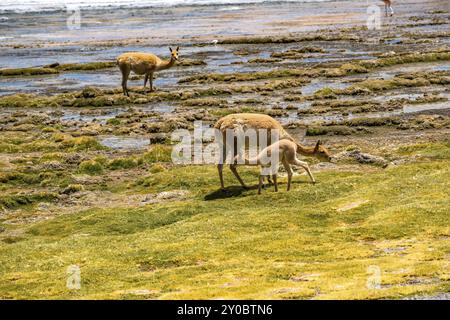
x: 13, y: 142
x: 17, y: 200
x: 317, y: 241
x: 349, y: 68
x: 88, y: 66
x: 56, y: 68
x: 418, y: 79
x: 96, y: 97
x: 288, y: 39
x: 296, y: 53
x: 26, y: 71
x: 190, y: 63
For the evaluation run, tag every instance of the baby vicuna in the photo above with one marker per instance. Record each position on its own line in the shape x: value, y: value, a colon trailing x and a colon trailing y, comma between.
x: 143, y: 63
x: 283, y: 151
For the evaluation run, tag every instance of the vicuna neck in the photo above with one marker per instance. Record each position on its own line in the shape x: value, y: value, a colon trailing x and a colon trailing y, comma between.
x: 166, y: 64
x: 305, y: 151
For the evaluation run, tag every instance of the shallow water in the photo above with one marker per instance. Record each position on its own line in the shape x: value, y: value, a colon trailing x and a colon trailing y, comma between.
x: 318, y: 84
x: 124, y: 143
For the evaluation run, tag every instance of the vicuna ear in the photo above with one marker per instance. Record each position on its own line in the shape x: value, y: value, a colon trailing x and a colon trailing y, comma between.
x: 317, y: 145
x: 178, y: 48
x: 170, y: 49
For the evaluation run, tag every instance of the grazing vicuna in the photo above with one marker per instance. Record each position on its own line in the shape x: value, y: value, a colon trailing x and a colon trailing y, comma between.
x: 284, y: 151
x: 143, y: 63
x: 388, y: 5
x: 241, y: 122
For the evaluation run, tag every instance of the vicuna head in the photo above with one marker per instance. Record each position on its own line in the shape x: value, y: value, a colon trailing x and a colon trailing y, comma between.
x: 174, y: 53
x: 321, y: 152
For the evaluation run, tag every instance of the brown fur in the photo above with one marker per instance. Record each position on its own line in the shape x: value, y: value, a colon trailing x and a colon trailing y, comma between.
x: 143, y: 63
x: 256, y: 121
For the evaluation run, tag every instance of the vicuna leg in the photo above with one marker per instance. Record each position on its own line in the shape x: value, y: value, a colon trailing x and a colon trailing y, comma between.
x: 386, y: 9
x: 288, y: 169
x: 305, y: 166
x: 125, y: 69
x: 151, y: 82
x: 236, y: 174
x: 274, y: 176
x: 233, y: 165
x: 392, y: 10
x: 145, y: 80
x: 222, y: 158
x: 220, y: 169
x: 261, y: 181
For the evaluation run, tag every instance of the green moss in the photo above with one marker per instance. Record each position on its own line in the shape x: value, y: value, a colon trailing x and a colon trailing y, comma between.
x: 343, y: 70
x: 90, y: 167
x: 82, y: 144
x: 156, y: 168
x: 350, y: 68
x: 158, y: 153
x: 113, y: 122
x: 365, y: 87
x: 87, y: 66
x: 406, y: 58
x: 123, y: 163
x: 52, y: 70
x: 205, y: 102
x: 264, y: 60
x: 17, y: 200
x: 287, y: 39
x: 325, y: 93
x: 427, y: 150
x: 372, y: 122
x: 26, y: 71
x: 324, y: 130
x: 72, y: 188
x: 190, y: 63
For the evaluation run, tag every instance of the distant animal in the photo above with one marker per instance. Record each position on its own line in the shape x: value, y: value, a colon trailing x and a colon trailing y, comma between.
x: 388, y: 5
x: 244, y: 121
x: 284, y: 151
x: 143, y: 63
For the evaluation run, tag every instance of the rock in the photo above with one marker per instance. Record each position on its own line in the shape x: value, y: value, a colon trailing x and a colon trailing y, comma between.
x: 159, y: 138
x: 140, y: 100
x: 53, y: 65
x: 90, y: 92
x: 72, y: 188
x: 165, y: 196
x: 42, y: 206
x: 51, y: 165
x: 364, y: 158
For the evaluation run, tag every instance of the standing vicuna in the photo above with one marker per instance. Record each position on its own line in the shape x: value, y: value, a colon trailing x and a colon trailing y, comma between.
x: 388, y: 5
x: 284, y: 151
x: 241, y: 122
x: 143, y: 63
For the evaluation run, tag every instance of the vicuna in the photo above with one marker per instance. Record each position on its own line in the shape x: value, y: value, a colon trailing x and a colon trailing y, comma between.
x: 143, y: 63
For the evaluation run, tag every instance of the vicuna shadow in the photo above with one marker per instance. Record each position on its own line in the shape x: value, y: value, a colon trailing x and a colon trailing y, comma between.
x: 228, y: 192
x: 236, y: 191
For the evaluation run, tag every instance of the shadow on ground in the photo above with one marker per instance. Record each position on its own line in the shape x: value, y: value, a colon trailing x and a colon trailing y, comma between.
x: 228, y: 192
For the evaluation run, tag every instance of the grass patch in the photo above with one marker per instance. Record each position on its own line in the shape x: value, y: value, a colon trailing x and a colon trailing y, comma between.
x: 18, y: 200
x: 200, y: 247
x: 91, y: 167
